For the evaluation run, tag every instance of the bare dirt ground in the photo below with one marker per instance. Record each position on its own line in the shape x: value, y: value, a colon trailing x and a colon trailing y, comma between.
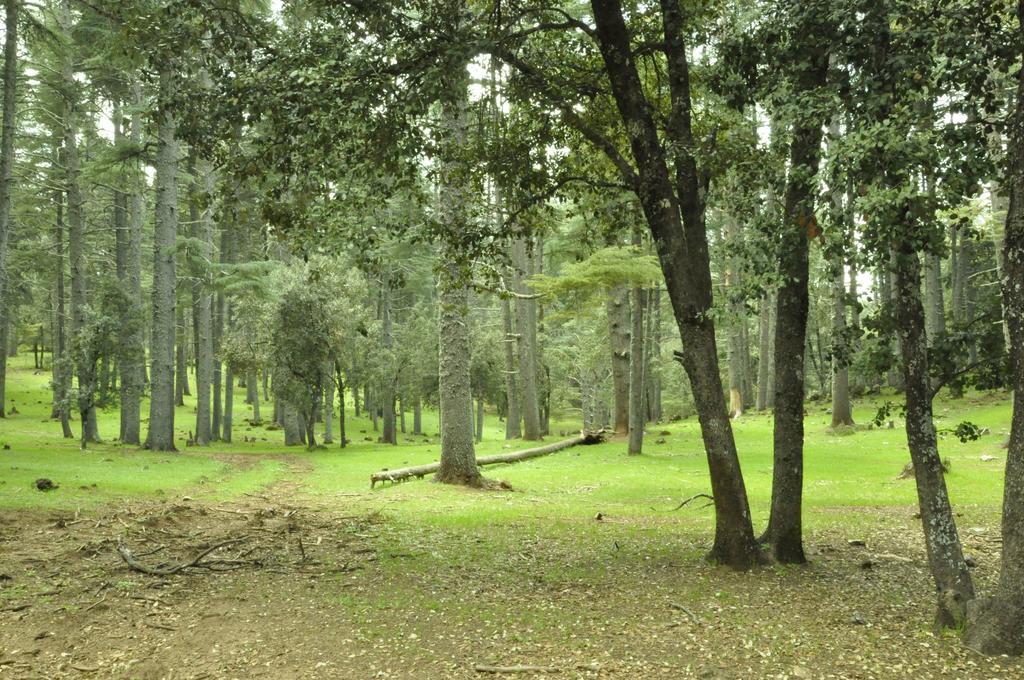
x: 306, y: 591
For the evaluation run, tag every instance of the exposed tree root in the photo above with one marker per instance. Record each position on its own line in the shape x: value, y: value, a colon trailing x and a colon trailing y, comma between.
x: 132, y: 562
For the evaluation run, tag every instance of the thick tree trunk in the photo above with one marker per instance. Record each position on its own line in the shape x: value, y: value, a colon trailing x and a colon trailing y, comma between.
x: 294, y: 425
x: 618, y: 337
x: 945, y: 555
x: 458, y: 456
x: 996, y: 625
x: 676, y: 219
x: 526, y: 325
x: 161, y: 406
x: 6, y: 167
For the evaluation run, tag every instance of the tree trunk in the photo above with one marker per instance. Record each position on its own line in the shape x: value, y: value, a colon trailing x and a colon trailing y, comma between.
x: 842, y: 410
x: 6, y: 167
x: 161, y: 405
x: 254, y: 396
x: 202, y: 297
x: 181, y: 358
x: 293, y: 424
x: 329, y: 403
x: 785, y: 525
x: 654, y: 355
x: 389, y: 435
x: 945, y: 556
x: 526, y: 325
x: 62, y: 362
x: 636, y: 374
x: 84, y: 354
x: 618, y: 337
x: 417, y: 416
x: 131, y: 357
x: 227, y: 422
x: 217, y: 316
x: 996, y: 625
x: 676, y: 219
x: 479, y: 419
x: 737, y: 360
x: 765, y: 351
x: 513, y: 417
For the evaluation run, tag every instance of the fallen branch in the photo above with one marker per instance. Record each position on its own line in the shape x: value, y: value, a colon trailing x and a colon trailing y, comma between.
x: 480, y: 668
x: 130, y: 560
x: 420, y: 471
x: 693, y: 498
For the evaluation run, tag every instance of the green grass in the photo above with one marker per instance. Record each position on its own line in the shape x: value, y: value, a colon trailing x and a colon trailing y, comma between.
x: 842, y: 469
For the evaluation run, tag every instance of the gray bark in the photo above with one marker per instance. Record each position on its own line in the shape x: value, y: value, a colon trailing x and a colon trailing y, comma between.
x: 329, y: 403
x: 62, y: 363
x: 84, y: 356
x: 765, y: 345
x: 617, y: 308
x: 458, y: 457
x: 254, y: 396
x: 181, y: 388
x: 513, y: 418
x: 945, y: 555
x: 389, y: 434
x: 996, y: 625
x: 842, y: 410
x: 526, y: 325
x: 6, y: 166
x: 161, y: 406
x: 202, y: 298
x: 636, y: 373
x: 131, y: 358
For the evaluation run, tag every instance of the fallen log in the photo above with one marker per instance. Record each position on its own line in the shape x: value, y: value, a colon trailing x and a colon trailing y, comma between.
x: 421, y: 471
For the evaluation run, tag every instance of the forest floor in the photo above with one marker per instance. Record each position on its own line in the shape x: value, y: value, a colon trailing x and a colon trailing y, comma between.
x: 583, y: 569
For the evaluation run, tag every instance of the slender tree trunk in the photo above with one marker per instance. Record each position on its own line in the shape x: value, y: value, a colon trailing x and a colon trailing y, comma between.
x: 62, y: 362
x: 389, y: 435
x: 526, y: 325
x: 785, y: 525
x: 842, y: 409
x: 945, y: 556
x: 675, y: 215
x: 131, y: 358
x: 161, y: 406
x: 84, y: 354
x: 764, y: 350
x: 513, y: 418
x: 417, y: 416
x: 654, y: 360
x: 202, y: 298
x: 479, y: 419
x: 180, y: 358
x: 617, y: 308
x: 636, y: 374
x: 217, y: 316
x: 227, y: 422
x: 737, y: 361
x: 6, y: 167
x: 329, y: 403
x: 341, y: 406
x: 254, y: 396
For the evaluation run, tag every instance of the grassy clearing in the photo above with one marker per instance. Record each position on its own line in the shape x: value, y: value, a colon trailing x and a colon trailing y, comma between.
x: 450, y: 577
x: 843, y: 469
